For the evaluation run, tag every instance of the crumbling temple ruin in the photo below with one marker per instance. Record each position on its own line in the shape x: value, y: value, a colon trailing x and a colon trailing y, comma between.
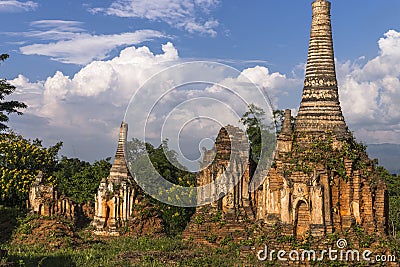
x: 322, y: 180
x: 46, y: 201
x: 228, y: 161
x: 236, y: 201
x: 119, y: 201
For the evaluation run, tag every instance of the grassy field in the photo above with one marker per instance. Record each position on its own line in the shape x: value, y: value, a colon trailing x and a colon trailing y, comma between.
x: 124, y: 251
x: 33, y: 241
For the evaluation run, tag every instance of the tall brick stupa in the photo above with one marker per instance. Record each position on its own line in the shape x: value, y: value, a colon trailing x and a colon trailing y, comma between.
x: 323, y: 180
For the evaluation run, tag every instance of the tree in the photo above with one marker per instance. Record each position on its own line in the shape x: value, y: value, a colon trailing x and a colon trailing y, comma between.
x: 20, y: 162
x: 252, y: 120
x: 261, y: 136
x: 7, y: 107
x: 393, y: 183
x: 279, y: 116
x: 78, y: 179
x: 164, y: 161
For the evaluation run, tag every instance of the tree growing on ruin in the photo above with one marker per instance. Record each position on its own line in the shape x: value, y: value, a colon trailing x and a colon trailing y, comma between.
x: 261, y: 136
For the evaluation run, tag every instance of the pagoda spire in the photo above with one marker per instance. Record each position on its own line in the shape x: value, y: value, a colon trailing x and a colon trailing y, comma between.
x: 119, y: 170
x: 320, y: 108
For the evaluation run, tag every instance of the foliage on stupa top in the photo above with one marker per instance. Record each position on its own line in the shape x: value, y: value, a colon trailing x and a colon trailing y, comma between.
x: 326, y: 150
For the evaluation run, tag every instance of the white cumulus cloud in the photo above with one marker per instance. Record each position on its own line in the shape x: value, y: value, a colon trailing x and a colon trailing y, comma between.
x: 370, y: 93
x: 84, y: 48
x: 85, y: 110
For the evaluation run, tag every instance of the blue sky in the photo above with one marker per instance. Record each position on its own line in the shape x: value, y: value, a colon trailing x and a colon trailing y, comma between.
x: 64, y: 59
x: 271, y: 31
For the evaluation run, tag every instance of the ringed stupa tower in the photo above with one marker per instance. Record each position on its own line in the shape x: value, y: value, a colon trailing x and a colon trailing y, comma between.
x: 320, y: 108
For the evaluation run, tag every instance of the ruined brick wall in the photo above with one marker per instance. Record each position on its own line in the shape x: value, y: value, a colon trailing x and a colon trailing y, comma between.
x: 222, y: 162
x: 233, y: 207
x: 46, y: 201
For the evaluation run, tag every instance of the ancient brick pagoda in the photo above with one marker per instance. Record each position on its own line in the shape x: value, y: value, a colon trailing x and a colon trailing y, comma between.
x: 120, y: 202
x: 320, y: 108
x: 116, y: 195
x: 321, y: 181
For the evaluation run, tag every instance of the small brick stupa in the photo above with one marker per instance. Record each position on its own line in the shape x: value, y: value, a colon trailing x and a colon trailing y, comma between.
x: 120, y: 202
x: 116, y: 195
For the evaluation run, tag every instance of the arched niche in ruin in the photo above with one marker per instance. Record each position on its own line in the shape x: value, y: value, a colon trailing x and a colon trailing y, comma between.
x: 107, y: 216
x: 302, y: 219
x: 220, y: 201
x: 41, y: 212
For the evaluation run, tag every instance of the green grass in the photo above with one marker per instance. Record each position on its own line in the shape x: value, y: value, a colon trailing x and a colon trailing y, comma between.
x: 82, y: 248
x: 88, y: 250
x: 18, y: 230
x: 125, y: 251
